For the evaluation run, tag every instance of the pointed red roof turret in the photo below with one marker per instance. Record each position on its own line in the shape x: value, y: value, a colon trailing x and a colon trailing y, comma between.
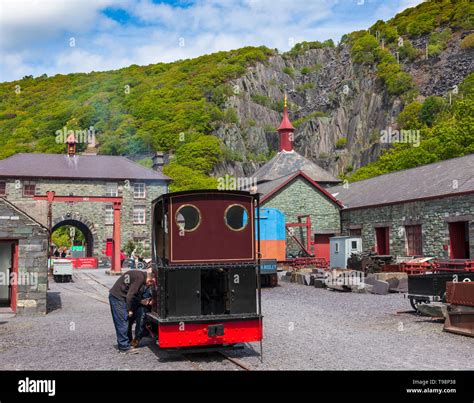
x: 286, y: 131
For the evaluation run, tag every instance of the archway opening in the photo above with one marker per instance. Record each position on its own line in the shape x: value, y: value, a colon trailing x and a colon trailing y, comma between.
x: 75, y: 236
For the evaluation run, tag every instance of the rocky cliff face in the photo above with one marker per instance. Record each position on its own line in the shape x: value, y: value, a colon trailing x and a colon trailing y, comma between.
x: 330, y: 98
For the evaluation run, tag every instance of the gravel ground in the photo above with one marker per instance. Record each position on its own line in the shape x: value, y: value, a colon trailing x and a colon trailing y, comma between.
x: 304, y: 328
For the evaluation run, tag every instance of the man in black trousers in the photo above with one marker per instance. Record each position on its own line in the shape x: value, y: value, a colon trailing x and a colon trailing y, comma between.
x: 122, y: 295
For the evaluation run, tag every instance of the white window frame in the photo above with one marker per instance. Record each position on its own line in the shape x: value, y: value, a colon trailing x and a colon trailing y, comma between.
x: 139, y: 220
x: 138, y: 195
x: 109, y: 220
x: 108, y: 187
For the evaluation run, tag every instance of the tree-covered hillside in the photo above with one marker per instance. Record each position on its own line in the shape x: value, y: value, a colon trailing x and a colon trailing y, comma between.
x: 179, y: 106
x: 133, y: 110
x: 445, y: 124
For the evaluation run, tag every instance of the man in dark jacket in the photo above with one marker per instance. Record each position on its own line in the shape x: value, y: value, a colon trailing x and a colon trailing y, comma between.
x: 140, y: 309
x: 122, y: 297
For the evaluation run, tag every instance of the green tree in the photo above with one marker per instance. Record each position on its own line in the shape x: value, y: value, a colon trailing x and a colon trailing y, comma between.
x: 185, y: 178
x: 431, y: 108
x: 201, y: 154
x: 363, y: 49
x: 409, y: 118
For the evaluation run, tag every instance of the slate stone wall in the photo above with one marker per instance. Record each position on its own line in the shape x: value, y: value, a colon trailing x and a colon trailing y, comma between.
x: 93, y: 214
x: 32, y: 241
x: 301, y: 198
x: 433, y: 215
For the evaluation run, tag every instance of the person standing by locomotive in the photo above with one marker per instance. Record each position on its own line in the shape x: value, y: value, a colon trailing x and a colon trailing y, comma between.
x: 121, y: 297
x: 140, y: 310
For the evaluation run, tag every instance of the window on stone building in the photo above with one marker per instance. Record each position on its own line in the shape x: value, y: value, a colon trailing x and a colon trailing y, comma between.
x: 414, y: 243
x: 111, y: 189
x: 139, y: 191
x: 355, y: 232
x: 3, y: 188
x: 29, y: 188
x: 139, y: 214
x: 109, y: 215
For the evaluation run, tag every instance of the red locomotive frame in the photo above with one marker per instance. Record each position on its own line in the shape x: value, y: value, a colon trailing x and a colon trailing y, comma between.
x: 207, y: 271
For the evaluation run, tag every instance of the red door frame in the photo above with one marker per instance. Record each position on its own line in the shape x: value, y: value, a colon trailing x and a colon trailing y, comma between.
x: 458, y: 249
x: 321, y: 245
x: 108, y: 247
x: 414, y: 240
x: 14, y: 270
x: 14, y: 286
x: 382, y: 240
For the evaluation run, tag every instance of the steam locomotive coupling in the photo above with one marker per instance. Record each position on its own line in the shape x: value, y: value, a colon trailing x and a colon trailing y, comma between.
x: 206, y: 265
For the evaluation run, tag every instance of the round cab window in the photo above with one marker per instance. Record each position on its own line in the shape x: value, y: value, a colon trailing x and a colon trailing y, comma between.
x: 236, y: 217
x: 188, y: 218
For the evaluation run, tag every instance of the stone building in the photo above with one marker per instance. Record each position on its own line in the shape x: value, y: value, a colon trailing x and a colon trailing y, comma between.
x: 423, y: 211
x: 23, y: 176
x: 297, y: 186
x: 23, y: 261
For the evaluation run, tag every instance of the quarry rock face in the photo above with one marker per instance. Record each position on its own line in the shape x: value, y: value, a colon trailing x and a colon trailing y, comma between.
x: 330, y: 98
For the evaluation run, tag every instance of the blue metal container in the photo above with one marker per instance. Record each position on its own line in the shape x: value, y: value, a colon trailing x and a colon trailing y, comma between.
x: 272, y: 225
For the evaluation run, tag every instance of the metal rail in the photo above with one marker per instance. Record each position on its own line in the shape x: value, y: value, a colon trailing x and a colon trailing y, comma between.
x: 235, y: 361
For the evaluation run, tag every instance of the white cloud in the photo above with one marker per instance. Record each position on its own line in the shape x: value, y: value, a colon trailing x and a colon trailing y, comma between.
x: 34, y: 34
x: 404, y: 4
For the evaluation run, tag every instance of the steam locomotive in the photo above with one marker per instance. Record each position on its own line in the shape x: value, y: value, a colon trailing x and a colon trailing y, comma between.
x: 206, y: 268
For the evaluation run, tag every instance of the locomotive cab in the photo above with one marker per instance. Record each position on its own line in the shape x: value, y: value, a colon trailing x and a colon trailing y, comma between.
x: 206, y: 269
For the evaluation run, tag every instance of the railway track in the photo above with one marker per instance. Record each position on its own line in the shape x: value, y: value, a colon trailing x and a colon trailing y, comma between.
x: 91, y: 293
x: 235, y: 361
x: 232, y: 360
x: 97, y: 281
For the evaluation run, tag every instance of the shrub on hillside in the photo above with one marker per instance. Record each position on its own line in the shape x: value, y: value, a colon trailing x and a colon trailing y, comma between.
x: 468, y: 42
x: 341, y: 143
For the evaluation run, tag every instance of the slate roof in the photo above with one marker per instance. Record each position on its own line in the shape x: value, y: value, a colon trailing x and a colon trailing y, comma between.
x: 78, y: 167
x: 12, y: 206
x: 443, y: 178
x: 287, y: 163
x: 267, y: 189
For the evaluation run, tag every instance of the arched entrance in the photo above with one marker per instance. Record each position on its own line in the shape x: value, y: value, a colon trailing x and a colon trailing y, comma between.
x: 116, y: 202
x: 89, y: 237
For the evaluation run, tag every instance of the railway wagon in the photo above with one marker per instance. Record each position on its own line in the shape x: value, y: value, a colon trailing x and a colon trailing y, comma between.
x: 207, y: 276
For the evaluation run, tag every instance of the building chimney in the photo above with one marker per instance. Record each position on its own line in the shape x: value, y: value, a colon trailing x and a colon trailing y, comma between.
x: 71, y: 145
x: 159, y: 159
x: 285, y: 131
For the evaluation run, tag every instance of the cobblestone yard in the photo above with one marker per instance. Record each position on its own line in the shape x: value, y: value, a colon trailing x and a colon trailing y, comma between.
x: 305, y: 328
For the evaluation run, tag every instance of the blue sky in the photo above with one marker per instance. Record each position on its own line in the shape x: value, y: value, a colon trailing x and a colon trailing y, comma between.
x: 65, y: 36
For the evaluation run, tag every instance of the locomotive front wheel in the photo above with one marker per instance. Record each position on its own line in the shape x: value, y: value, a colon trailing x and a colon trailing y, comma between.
x: 413, y: 304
